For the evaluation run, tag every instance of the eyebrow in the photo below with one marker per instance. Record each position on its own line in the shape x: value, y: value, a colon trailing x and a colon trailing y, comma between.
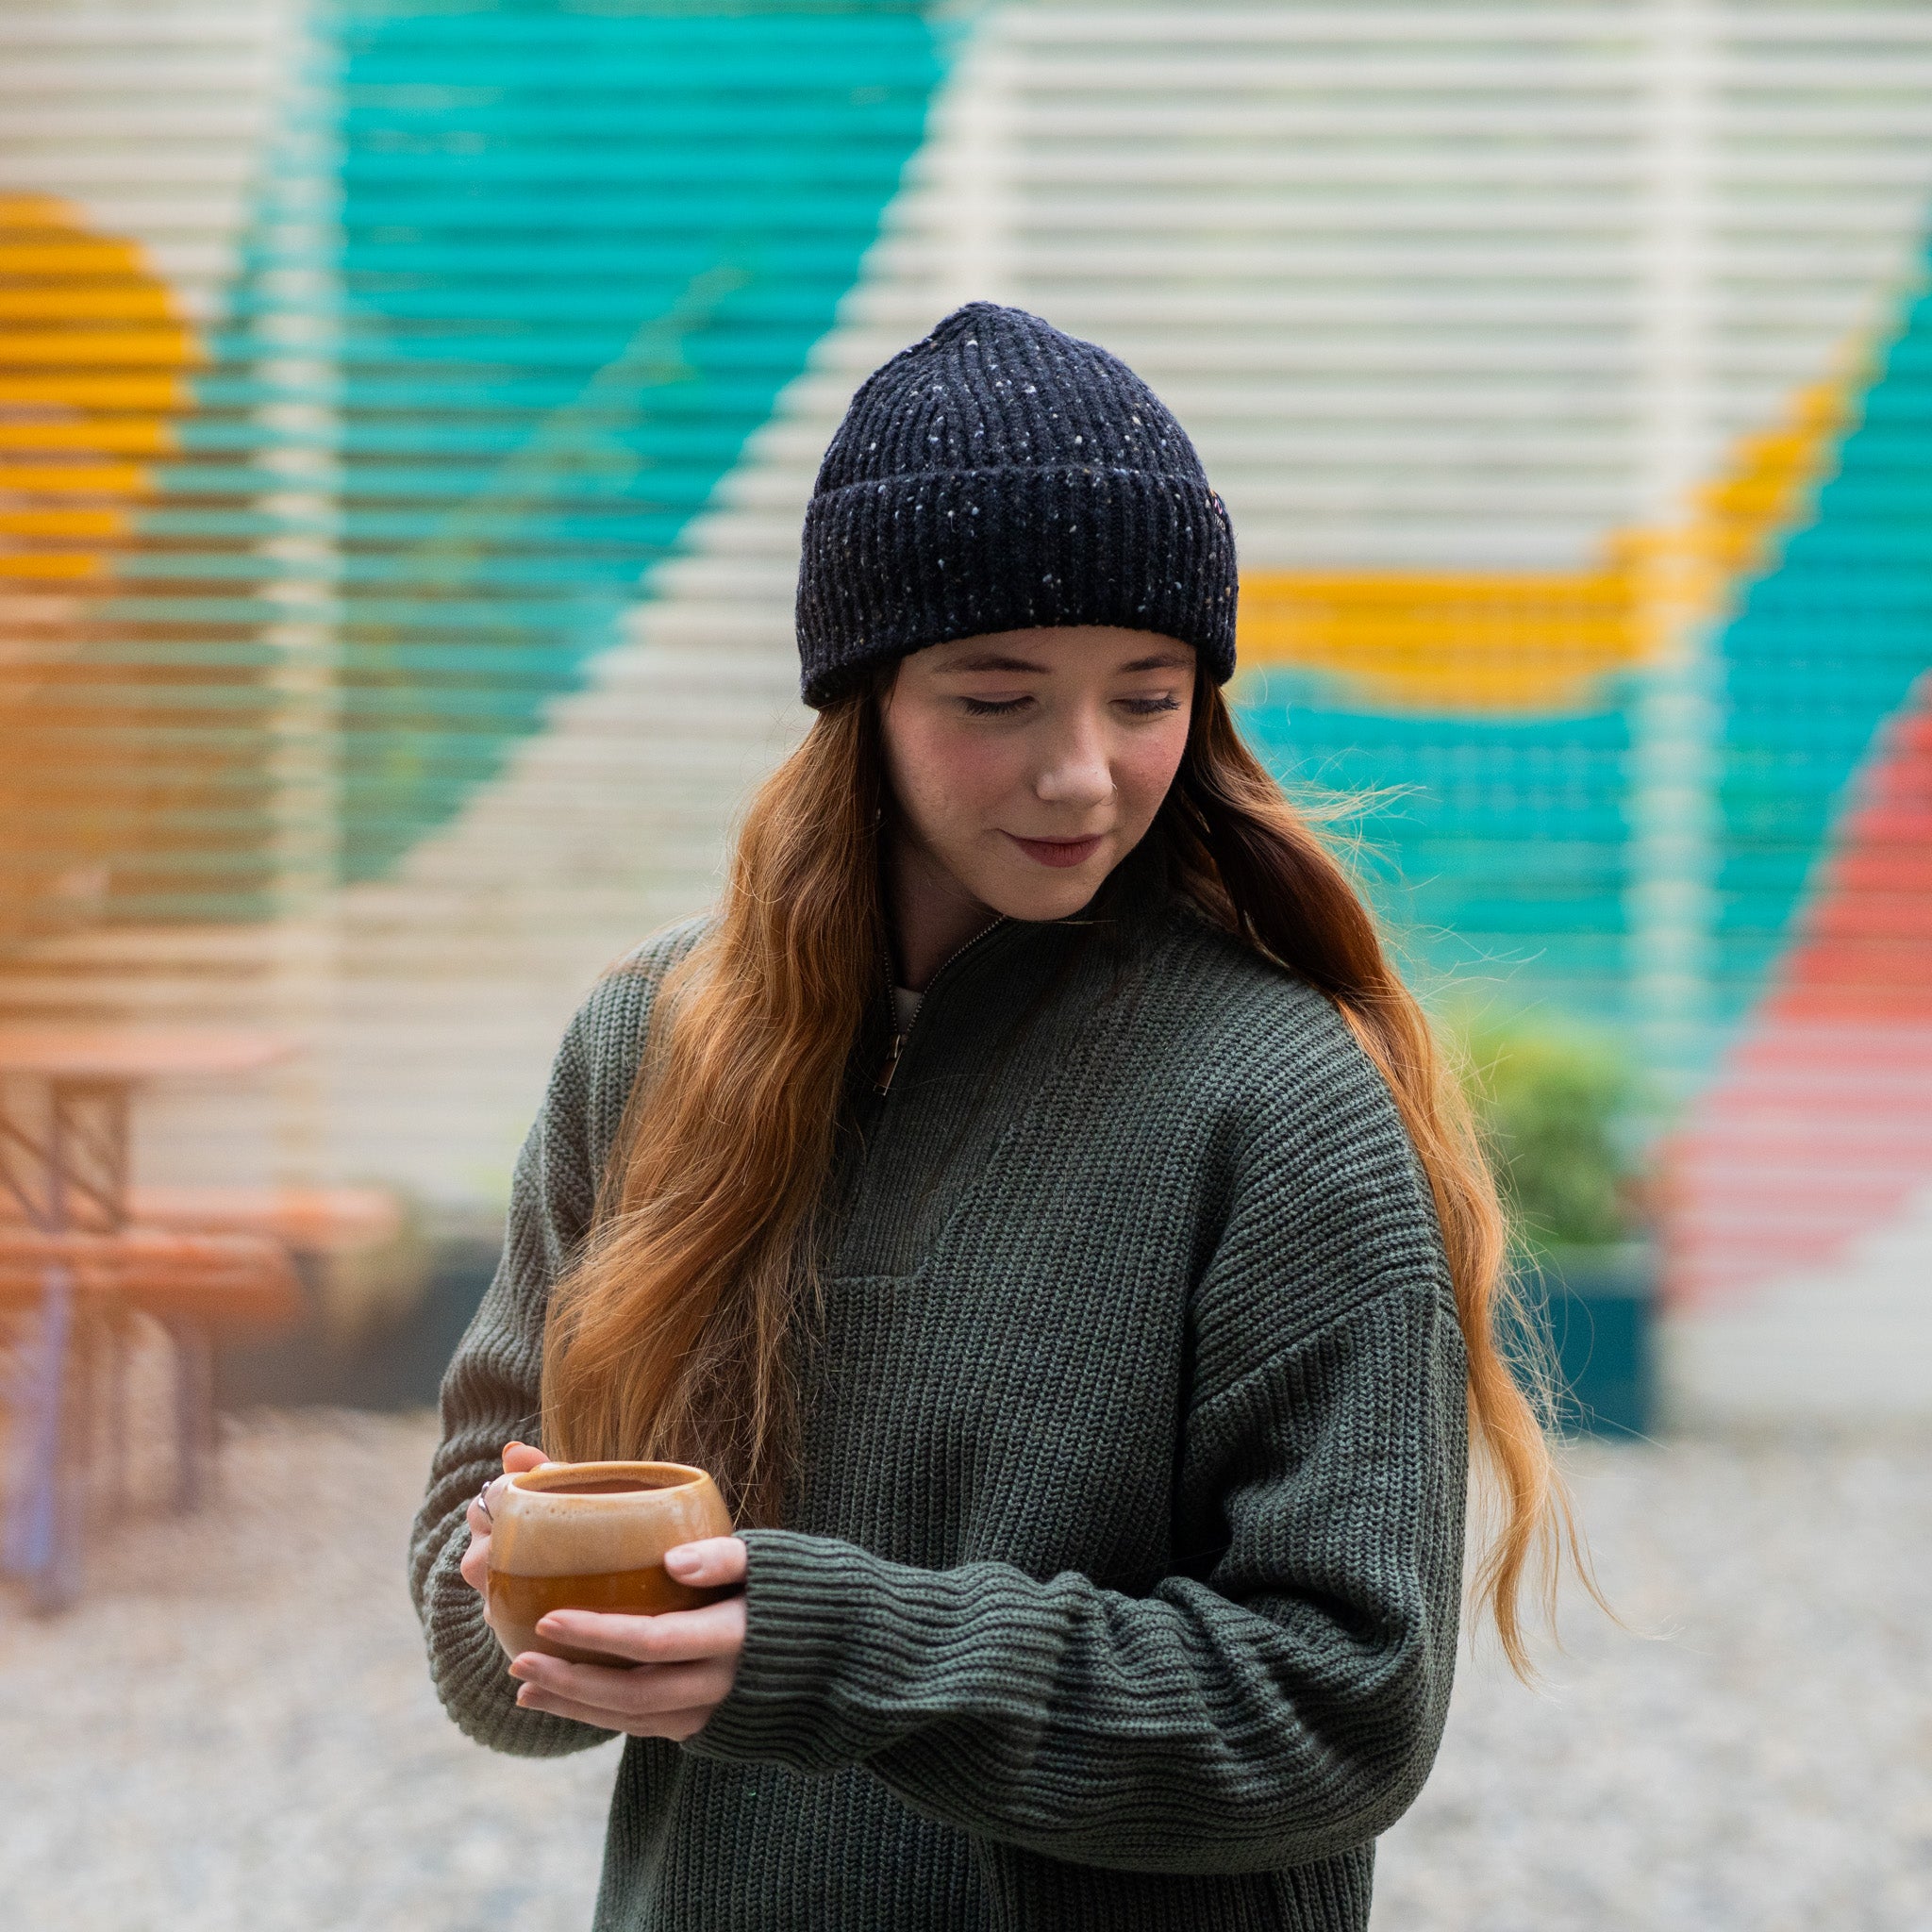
x: 996, y: 660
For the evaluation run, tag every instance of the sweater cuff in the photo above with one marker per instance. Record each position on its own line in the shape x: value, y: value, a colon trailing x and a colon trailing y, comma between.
x: 802, y: 1614
x: 846, y: 1653
x: 472, y: 1675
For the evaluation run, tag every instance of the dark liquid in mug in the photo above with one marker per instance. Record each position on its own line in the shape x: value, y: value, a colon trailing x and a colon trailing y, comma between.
x: 611, y: 1486
x: 522, y: 1600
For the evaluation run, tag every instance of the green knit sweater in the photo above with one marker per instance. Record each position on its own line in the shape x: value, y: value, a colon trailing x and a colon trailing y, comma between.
x: 1120, y: 1586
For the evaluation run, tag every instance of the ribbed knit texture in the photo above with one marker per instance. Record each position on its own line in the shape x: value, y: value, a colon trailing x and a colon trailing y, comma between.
x: 999, y: 474
x: 1122, y: 1584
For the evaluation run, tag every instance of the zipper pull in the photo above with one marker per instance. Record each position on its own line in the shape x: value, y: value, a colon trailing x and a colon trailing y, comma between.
x: 883, y: 1079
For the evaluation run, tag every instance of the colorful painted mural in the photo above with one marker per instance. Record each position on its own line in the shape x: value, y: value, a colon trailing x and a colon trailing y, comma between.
x: 1384, y: 670
x: 514, y: 288
x: 407, y: 410
x: 94, y: 364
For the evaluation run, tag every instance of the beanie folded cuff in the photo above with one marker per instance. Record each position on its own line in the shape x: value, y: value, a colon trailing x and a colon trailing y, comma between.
x: 892, y: 565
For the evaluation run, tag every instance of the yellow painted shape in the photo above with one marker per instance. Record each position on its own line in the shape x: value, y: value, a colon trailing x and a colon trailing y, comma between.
x: 97, y: 348
x: 50, y: 565
x: 92, y: 363
x: 93, y: 256
x: 74, y: 480
x: 131, y: 435
x: 166, y: 396
x: 1522, y: 643
x: 1443, y: 642
x: 91, y: 524
x: 68, y: 299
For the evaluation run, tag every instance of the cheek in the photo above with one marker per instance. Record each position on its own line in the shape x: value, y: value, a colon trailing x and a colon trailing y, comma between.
x: 1144, y: 766
x: 946, y: 777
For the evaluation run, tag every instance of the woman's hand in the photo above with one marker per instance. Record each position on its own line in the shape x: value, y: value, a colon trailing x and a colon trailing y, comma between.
x: 683, y: 1661
x: 517, y: 1458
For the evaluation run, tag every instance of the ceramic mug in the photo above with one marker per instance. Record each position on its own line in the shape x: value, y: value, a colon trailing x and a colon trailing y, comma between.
x: 591, y: 1536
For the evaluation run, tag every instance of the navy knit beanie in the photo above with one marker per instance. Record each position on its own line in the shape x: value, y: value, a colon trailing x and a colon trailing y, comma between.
x: 997, y: 475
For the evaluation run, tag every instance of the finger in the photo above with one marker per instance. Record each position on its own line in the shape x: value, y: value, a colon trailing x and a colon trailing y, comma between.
x: 663, y: 1723
x: 518, y: 1457
x: 673, y: 1637
x: 475, y: 1567
x: 627, y: 1692
x: 476, y: 1519
x: 717, y: 1561
x: 534, y: 1697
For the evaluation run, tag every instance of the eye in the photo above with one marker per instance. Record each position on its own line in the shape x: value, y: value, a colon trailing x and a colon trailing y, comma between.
x: 994, y: 707
x: 1148, y: 708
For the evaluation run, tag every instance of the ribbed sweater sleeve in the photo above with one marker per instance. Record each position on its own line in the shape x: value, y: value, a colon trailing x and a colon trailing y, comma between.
x: 1282, y: 1702
x: 490, y: 1390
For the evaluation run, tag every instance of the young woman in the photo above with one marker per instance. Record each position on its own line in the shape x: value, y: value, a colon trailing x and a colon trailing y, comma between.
x: 1037, y: 1199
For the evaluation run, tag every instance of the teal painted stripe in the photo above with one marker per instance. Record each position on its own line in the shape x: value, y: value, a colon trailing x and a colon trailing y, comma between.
x: 576, y: 255
x: 1494, y: 849
x: 1823, y: 650
x: 1503, y: 850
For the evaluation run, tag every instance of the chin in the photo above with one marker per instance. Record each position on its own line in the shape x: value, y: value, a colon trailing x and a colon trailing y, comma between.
x: 1057, y: 895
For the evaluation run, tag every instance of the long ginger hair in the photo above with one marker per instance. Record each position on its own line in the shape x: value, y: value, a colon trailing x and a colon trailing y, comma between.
x: 677, y: 1331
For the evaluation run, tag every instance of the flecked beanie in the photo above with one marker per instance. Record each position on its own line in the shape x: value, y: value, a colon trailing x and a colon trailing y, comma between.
x: 996, y: 476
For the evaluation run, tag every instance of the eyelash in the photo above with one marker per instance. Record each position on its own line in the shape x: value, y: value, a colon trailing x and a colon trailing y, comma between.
x: 1004, y: 708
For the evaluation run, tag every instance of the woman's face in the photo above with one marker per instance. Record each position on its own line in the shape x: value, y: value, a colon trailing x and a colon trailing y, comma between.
x: 1028, y: 763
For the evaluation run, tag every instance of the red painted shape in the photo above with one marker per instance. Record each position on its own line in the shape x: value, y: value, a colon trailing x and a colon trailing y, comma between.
x: 1865, y: 950
x: 1819, y: 1126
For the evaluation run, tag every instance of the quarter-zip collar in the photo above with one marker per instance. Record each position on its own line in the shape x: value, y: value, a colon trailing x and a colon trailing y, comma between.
x: 999, y: 1020
x: 883, y: 1080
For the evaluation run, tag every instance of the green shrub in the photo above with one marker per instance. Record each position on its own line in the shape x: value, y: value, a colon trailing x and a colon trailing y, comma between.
x: 1550, y: 1103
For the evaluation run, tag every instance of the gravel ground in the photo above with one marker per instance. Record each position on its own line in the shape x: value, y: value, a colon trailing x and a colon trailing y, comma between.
x: 234, y: 1732
x: 1753, y: 1755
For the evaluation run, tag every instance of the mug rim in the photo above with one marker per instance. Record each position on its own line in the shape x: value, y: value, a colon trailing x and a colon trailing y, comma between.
x: 529, y: 1480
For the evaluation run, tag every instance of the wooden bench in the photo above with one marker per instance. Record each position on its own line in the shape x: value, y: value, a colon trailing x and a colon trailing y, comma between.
x: 90, y: 1283
x: 364, y: 1264
x: 243, y: 1279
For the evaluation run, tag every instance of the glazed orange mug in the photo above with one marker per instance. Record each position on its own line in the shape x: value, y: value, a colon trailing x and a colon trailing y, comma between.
x: 591, y: 1536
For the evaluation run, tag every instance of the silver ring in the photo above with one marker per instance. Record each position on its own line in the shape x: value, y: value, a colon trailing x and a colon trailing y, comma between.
x: 483, y: 1501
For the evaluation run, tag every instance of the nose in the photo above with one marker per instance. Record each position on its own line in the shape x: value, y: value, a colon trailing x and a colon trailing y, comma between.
x: 1076, y: 772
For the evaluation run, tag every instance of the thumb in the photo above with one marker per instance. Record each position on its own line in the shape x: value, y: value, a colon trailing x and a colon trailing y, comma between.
x: 518, y: 1457
x: 716, y: 1563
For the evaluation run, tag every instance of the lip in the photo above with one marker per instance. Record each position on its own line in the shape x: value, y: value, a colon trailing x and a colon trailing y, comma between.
x: 1059, y: 851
